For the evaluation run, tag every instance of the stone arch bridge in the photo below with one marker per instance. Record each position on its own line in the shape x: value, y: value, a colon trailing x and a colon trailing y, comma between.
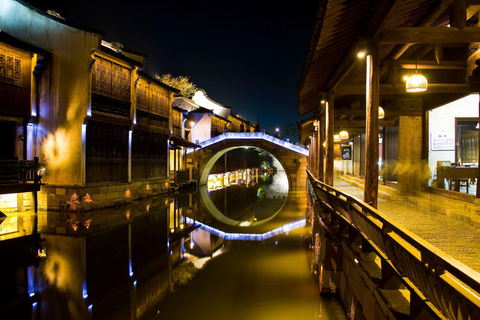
x: 293, y: 158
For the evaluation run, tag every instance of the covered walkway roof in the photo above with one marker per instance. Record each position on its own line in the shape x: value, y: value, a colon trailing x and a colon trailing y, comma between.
x: 439, y: 37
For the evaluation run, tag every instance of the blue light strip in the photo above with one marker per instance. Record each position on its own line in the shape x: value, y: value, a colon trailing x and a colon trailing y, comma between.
x: 253, y: 136
x: 250, y: 236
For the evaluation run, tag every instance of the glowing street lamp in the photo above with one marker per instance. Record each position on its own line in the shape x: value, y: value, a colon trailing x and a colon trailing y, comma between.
x: 416, y: 83
x: 381, y: 113
x: 343, y: 134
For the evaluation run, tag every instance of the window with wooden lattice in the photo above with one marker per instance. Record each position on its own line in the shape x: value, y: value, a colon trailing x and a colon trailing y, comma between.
x: 142, y: 96
x: 111, y: 79
x: 10, y: 66
x: 159, y: 103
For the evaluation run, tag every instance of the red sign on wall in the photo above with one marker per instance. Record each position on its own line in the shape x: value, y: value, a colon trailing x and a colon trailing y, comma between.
x: 442, y: 141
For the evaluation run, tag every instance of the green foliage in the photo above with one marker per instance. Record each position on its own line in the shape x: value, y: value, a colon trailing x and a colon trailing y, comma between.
x: 265, y: 159
x: 265, y: 164
x: 182, y: 83
x: 182, y: 274
x: 260, y: 193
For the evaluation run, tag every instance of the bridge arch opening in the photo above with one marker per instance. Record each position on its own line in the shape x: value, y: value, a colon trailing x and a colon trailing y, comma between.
x: 206, y: 169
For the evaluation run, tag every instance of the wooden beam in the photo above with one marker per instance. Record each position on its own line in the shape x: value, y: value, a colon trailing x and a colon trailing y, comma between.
x: 426, y: 22
x: 389, y: 113
x: 472, y: 10
x: 458, y: 14
x: 386, y: 89
x: 430, y: 35
x: 373, y: 28
x: 439, y: 53
x: 363, y: 123
x: 442, y: 65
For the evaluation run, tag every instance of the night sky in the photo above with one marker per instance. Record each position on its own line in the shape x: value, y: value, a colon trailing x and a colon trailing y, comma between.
x: 247, y: 55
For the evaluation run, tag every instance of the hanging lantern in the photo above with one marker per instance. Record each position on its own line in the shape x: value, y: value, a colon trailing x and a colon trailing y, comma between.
x: 416, y: 83
x: 343, y: 134
x: 336, y: 138
x: 381, y: 113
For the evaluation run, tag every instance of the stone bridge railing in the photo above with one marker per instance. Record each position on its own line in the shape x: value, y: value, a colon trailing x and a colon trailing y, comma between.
x: 253, y: 136
x: 440, y: 287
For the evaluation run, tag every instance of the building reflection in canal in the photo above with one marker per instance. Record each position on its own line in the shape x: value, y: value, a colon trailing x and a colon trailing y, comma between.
x: 117, y: 263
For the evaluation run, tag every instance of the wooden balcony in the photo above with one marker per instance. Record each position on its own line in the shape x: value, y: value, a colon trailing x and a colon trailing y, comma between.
x: 18, y: 176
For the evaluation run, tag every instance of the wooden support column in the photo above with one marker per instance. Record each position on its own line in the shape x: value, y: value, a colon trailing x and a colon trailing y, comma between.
x: 321, y: 149
x: 371, y: 140
x: 425, y: 169
x: 478, y: 174
x: 313, y: 154
x: 319, y: 152
x: 329, y: 135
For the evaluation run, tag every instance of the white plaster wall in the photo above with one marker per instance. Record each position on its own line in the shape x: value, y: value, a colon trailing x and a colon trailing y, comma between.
x: 64, y: 87
x: 202, y: 128
x: 201, y: 99
x: 443, y: 119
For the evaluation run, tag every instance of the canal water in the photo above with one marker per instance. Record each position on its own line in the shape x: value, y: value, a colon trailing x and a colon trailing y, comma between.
x: 237, y: 249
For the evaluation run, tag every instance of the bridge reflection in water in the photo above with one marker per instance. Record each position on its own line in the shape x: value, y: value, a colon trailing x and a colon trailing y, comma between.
x: 121, y: 262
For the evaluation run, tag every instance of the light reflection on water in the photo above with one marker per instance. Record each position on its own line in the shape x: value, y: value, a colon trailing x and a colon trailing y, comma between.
x: 270, y: 280
x: 134, y: 250
x: 252, y: 199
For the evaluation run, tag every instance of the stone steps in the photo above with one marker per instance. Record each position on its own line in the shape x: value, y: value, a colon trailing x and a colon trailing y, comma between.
x: 384, y: 191
x: 456, y: 209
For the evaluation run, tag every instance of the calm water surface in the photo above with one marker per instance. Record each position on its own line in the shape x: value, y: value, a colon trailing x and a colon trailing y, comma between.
x: 127, y: 263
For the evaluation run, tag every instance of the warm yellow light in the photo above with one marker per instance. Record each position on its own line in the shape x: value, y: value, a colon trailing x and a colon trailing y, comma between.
x: 343, y: 134
x: 361, y: 54
x: 416, y: 83
x: 322, y: 101
x: 381, y: 113
x: 325, y: 142
x: 336, y: 137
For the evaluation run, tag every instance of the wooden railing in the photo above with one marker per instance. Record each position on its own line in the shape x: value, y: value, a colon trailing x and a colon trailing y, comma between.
x: 19, y: 171
x: 444, y: 285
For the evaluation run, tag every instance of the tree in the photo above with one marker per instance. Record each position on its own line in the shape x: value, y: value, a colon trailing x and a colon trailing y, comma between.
x: 182, y: 83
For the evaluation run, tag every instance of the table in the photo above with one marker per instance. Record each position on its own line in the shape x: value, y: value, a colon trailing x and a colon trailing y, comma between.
x: 455, y: 174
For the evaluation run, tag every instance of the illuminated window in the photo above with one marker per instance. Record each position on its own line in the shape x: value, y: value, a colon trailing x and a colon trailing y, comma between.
x: 10, y: 66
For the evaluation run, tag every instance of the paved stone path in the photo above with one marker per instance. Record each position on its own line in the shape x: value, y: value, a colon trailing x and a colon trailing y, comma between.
x: 456, y: 238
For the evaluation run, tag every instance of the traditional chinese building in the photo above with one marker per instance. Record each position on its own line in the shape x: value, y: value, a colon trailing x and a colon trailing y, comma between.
x: 84, y: 107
